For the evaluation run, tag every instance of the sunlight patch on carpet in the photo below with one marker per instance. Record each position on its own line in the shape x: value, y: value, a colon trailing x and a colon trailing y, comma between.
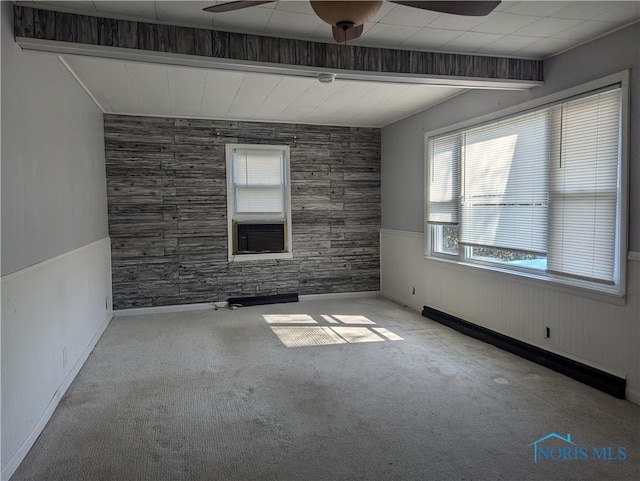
x: 388, y: 334
x: 307, y: 336
x: 338, y: 329
x: 289, y: 319
x: 353, y: 319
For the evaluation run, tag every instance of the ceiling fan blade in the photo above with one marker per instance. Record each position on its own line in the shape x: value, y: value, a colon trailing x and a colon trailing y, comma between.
x: 340, y: 35
x: 474, y: 9
x: 230, y: 6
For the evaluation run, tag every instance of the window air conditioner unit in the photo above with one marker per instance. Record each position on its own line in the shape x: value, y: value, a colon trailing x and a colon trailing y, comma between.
x: 259, y: 238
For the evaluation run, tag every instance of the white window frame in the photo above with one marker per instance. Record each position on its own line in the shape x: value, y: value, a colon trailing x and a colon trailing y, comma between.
x: 613, y: 294
x: 288, y: 254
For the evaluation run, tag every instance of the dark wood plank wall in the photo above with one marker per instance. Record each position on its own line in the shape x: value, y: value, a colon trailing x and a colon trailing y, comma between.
x: 167, y: 210
x: 65, y: 27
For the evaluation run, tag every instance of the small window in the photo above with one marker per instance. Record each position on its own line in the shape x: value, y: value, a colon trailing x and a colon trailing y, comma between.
x: 258, y: 202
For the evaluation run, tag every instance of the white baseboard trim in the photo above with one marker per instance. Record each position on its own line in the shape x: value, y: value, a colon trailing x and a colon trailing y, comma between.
x: 633, y: 396
x: 139, y: 311
x: 339, y: 295
x: 21, y: 453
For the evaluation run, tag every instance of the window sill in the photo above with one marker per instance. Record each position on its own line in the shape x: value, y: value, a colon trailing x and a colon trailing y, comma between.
x: 567, y: 286
x: 259, y: 257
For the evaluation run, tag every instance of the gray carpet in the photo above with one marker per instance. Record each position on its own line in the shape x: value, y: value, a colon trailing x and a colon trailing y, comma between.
x: 219, y: 395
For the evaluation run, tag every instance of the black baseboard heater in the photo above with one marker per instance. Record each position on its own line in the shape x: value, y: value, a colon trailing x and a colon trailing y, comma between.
x: 260, y: 300
x: 605, y: 382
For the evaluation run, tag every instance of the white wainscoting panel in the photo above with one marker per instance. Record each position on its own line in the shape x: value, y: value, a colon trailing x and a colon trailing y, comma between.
x: 55, y: 305
x: 401, y: 269
x: 601, y: 334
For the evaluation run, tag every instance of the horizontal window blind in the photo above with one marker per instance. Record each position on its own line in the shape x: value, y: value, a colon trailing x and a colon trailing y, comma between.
x: 584, y: 178
x: 505, y: 184
x: 258, y: 180
x: 444, y: 180
x: 259, y: 200
x: 545, y: 183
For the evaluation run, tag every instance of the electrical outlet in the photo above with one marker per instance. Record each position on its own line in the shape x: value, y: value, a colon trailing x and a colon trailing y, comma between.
x: 547, y: 332
x: 64, y: 357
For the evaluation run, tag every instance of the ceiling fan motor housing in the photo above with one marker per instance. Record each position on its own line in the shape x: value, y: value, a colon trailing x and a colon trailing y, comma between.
x: 345, y: 14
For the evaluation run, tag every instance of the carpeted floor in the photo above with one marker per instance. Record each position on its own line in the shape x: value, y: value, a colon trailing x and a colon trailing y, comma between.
x: 358, y: 389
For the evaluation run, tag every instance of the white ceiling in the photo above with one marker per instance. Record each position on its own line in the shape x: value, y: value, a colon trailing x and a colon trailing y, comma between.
x: 530, y: 29
x: 148, y: 89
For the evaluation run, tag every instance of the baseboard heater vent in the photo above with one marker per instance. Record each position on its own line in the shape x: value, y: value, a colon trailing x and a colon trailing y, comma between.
x: 259, y: 300
x: 608, y: 383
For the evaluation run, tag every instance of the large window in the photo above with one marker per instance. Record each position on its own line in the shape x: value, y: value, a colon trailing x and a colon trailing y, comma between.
x: 537, y: 193
x: 258, y: 201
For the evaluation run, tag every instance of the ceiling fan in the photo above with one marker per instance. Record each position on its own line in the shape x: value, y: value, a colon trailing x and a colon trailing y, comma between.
x: 348, y: 17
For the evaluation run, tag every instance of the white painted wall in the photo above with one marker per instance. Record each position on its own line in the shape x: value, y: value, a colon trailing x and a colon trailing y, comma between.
x: 598, y: 333
x: 55, y: 259
x: 53, y: 174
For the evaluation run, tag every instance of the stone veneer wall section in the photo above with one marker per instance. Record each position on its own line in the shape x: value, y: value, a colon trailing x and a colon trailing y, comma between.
x: 166, y: 185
